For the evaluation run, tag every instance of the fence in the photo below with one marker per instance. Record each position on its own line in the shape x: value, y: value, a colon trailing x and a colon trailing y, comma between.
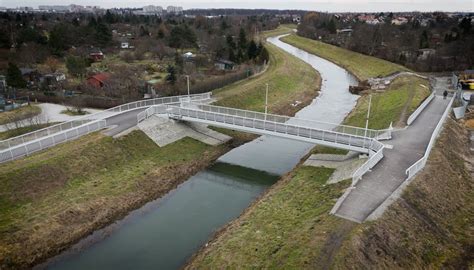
x: 5, y: 144
x: 298, y: 121
x: 420, y: 108
x: 420, y: 164
x: 51, y: 140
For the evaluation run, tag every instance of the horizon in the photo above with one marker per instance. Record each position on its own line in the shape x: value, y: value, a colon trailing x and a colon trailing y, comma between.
x: 306, y: 5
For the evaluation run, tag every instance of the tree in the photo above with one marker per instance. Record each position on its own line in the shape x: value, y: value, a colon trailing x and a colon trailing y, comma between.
x: 465, y: 25
x: 331, y: 26
x: 424, y: 40
x: 103, y: 35
x: 242, y: 39
x: 14, y: 77
x: 76, y: 65
x: 52, y: 63
x: 252, y: 50
x: 60, y: 38
x: 171, y: 77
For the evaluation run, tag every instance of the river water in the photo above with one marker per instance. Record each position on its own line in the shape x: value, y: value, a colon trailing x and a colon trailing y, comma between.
x: 164, y: 233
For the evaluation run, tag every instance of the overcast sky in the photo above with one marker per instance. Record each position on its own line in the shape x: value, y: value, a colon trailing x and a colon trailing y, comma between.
x: 319, y: 5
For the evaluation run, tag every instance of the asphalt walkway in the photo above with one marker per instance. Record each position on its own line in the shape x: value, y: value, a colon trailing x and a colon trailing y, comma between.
x: 408, y: 146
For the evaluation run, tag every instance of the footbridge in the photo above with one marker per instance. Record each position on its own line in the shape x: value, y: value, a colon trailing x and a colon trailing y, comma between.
x: 321, y: 133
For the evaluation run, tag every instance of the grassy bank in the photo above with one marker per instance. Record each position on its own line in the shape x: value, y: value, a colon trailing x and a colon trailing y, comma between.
x: 55, y: 197
x: 282, y: 230
x: 19, y: 114
x: 362, y: 66
x: 281, y: 30
x: 395, y: 104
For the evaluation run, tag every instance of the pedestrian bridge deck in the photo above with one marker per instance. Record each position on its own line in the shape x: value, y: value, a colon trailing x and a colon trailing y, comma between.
x: 327, y: 134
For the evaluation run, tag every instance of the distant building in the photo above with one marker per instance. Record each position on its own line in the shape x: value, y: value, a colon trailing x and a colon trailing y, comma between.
x: 189, y: 55
x: 98, y: 80
x: 399, y: 21
x: 53, y: 78
x: 424, y: 54
x: 124, y: 45
x: 174, y: 10
x: 96, y: 56
x: 222, y: 64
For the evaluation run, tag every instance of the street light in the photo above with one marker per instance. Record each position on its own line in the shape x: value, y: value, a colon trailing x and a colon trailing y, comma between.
x: 266, y: 101
x: 368, y: 115
x: 189, y: 95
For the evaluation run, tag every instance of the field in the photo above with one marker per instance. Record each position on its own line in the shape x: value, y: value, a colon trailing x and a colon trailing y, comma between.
x: 19, y: 114
x: 362, y: 66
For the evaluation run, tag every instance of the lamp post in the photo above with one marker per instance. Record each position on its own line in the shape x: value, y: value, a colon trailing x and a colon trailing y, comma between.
x: 368, y: 115
x: 266, y: 102
x: 189, y: 95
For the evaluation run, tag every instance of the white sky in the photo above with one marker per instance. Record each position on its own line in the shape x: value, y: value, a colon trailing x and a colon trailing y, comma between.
x: 319, y: 5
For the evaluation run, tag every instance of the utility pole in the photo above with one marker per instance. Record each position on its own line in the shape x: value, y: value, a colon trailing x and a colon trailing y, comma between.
x: 189, y: 95
x: 368, y: 115
x: 266, y: 102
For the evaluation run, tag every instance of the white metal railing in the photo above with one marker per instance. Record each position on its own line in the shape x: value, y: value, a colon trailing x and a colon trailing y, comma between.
x: 420, y: 164
x: 5, y: 144
x: 371, y: 133
x: 369, y: 164
x: 44, y: 142
x: 343, y: 140
x: 420, y: 108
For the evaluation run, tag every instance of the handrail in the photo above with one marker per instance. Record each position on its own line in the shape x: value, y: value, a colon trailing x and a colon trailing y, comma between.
x: 371, y: 132
x: 420, y: 108
x: 8, y: 143
x: 420, y: 164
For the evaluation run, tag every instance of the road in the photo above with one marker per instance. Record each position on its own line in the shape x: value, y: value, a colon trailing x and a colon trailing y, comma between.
x: 122, y: 121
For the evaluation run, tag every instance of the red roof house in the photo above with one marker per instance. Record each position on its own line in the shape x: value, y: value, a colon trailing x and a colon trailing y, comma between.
x: 98, y: 80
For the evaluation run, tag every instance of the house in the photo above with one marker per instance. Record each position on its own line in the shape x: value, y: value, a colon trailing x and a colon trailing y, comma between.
x: 53, y: 78
x: 124, y: 45
x: 31, y: 76
x: 96, y: 56
x: 98, y: 80
x: 188, y: 55
x: 424, y: 54
x: 399, y: 21
x: 222, y: 64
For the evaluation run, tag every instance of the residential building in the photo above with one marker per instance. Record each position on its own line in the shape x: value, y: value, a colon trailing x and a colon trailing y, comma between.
x: 98, y: 80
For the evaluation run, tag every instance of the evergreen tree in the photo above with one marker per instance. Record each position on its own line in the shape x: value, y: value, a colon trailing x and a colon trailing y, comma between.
x: 171, y: 77
x: 465, y: 25
x: 242, y: 39
x: 14, y: 77
x: 331, y: 26
x: 424, y: 40
x: 103, y: 35
x: 252, y: 50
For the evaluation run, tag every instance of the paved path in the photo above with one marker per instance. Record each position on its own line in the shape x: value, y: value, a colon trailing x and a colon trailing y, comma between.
x: 50, y: 112
x: 408, y: 146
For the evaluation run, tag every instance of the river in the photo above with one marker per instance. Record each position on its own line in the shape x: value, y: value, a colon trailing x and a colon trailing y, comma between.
x: 164, y: 233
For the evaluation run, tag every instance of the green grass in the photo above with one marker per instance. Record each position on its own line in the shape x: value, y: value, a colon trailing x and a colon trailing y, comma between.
x: 393, y: 105
x: 362, y: 66
x: 92, y: 170
x: 22, y: 130
x: 284, y: 230
x: 19, y: 114
x: 74, y: 112
x: 280, y: 30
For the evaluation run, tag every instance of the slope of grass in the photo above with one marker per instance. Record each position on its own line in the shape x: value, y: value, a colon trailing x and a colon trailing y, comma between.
x: 284, y: 229
x: 289, y: 79
x: 401, y: 98
x: 280, y: 30
x: 19, y: 114
x: 55, y: 196
x: 362, y: 66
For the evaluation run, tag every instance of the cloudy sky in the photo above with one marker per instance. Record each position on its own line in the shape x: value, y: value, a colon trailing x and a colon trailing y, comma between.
x: 320, y: 5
